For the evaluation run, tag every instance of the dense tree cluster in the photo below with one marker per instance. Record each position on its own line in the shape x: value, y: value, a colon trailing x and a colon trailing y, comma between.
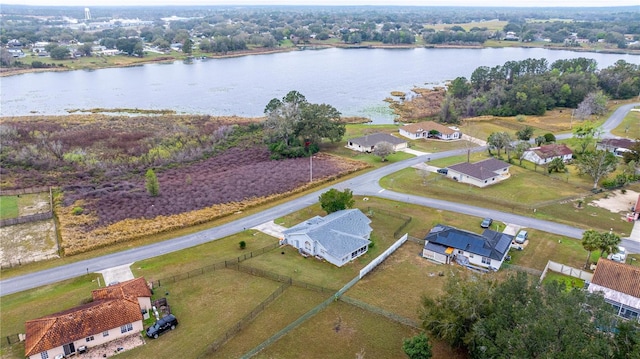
x: 334, y: 200
x: 295, y: 128
x: 532, y: 86
x: 517, y: 318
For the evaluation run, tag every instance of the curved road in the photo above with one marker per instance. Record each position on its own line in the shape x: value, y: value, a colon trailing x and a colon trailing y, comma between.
x: 366, y: 184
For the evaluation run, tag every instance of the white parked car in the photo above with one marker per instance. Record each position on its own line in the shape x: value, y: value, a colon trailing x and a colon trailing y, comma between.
x: 522, y: 236
x: 620, y: 256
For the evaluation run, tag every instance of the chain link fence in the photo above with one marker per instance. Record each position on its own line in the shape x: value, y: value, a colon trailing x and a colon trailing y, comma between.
x: 242, y: 323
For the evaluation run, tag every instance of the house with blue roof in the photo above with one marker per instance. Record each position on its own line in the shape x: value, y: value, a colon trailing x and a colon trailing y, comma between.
x: 484, y: 251
x: 338, y: 238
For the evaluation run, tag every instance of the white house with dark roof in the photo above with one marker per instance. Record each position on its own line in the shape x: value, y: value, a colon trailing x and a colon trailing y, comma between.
x: 430, y: 129
x: 339, y: 237
x: 369, y: 142
x: 546, y: 153
x: 447, y: 245
x: 481, y: 174
x: 616, y: 145
x: 620, y: 285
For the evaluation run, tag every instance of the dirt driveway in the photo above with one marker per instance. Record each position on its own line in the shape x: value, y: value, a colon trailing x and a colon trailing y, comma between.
x: 617, y: 201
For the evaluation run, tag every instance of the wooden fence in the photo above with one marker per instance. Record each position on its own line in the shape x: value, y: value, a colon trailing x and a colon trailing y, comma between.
x: 15, y: 192
x: 25, y: 219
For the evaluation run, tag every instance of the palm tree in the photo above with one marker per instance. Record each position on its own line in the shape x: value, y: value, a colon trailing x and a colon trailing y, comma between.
x: 609, y: 242
x: 591, y: 241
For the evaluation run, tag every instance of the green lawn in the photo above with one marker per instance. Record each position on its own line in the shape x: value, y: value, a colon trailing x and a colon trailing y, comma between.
x: 543, y: 247
x: 551, y: 196
x: 8, y: 207
x: 206, y: 306
x: 570, y: 282
x: 291, y: 305
x: 630, y: 126
x: 342, y: 331
x: 201, y: 256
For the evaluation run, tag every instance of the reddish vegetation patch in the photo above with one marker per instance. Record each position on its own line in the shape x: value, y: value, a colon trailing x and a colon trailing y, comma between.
x: 235, y: 175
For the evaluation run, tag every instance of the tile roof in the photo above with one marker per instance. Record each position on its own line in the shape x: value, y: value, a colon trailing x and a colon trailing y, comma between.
x: 375, y: 138
x: 623, y: 278
x: 131, y: 289
x: 64, y: 327
x: 340, y: 232
x: 490, y: 244
x: 481, y: 170
x: 428, y: 126
x: 552, y: 150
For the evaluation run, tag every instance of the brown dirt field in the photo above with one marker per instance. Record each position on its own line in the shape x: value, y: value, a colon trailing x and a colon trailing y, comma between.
x: 28, y: 242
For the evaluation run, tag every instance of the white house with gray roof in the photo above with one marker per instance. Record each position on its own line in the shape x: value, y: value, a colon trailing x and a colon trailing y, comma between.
x: 339, y: 237
x: 481, y: 174
x: 369, y: 142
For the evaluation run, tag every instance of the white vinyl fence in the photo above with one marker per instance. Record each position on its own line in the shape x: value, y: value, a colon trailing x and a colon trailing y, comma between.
x: 369, y: 267
x: 566, y: 270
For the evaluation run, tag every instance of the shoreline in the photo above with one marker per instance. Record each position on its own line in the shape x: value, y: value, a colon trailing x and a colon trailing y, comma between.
x: 11, y: 71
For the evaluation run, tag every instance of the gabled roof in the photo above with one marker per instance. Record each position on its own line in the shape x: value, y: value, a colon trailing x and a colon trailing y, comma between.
x: 481, y: 170
x: 623, y: 278
x: 131, y: 289
x: 64, y: 327
x: 374, y: 139
x: 340, y: 233
x: 618, y: 142
x: 552, y: 150
x: 490, y: 244
x: 428, y: 126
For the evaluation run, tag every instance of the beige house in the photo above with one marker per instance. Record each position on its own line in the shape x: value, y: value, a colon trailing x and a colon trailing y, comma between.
x: 620, y: 285
x: 115, y: 312
x: 481, y: 174
x: 368, y: 143
x: 430, y: 129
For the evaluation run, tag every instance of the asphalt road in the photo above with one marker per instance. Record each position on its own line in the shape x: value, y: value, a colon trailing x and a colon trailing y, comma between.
x: 366, y: 184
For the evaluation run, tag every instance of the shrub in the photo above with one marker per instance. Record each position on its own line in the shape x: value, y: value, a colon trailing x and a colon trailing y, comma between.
x: 243, y: 244
x: 77, y: 210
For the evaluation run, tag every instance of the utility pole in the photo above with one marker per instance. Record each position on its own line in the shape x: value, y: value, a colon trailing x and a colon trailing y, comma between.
x: 311, y: 168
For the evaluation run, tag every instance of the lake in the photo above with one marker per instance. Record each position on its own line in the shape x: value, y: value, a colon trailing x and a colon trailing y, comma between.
x: 354, y: 81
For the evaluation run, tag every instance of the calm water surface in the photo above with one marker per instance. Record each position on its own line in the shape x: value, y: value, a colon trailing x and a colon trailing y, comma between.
x: 355, y: 81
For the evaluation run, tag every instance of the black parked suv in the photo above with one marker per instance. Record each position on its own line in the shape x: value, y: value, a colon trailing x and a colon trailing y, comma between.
x: 169, y: 322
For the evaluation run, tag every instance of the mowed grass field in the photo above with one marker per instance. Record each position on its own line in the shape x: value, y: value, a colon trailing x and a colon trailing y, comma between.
x: 528, y: 191
x: 342, y: 331
x: 8, y: 207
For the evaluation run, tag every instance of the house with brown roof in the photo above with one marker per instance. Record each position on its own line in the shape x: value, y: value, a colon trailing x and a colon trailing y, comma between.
x: 368, y: 143
x: 134, y: 289
x: 620, y: 285
x: 616, y: 145
x: 546, y: 153
x: 481, y: 174
x: 430, y: 129
x: 116, y: 312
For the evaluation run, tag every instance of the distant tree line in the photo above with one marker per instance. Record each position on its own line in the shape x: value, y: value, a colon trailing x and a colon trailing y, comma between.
x: 532, y: 86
